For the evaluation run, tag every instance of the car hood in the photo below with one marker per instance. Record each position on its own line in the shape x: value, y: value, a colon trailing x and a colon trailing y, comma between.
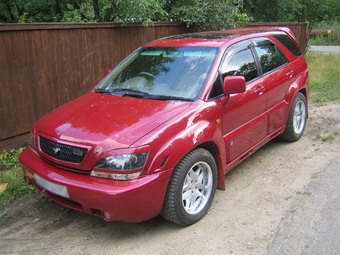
x: 109, y: 121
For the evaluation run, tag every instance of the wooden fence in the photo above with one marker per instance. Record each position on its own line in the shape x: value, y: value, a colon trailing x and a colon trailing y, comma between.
x: 43, y: 66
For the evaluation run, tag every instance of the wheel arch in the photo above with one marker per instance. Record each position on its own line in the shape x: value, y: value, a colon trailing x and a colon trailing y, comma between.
x: 299, y: 85
x: 213, y: 149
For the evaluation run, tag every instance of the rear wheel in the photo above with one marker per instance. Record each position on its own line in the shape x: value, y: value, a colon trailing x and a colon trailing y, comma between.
x: 191, y: 188
x: 297, y: 119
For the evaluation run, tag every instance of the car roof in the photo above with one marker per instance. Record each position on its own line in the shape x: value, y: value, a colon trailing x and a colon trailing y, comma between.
x: 215, y: 38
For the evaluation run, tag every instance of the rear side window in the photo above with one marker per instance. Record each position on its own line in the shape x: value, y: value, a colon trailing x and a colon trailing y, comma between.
x: 289, y: 44
x: 269, y: 55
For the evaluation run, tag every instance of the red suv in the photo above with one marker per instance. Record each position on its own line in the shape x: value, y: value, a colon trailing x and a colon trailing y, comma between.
x: 160, y: 131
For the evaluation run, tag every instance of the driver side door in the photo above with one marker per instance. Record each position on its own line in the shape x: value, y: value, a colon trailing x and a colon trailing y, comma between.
x: 244, y: 118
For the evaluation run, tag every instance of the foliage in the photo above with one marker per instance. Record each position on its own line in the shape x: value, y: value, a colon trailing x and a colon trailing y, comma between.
x: 330, y: 38
x: 12, y: 183
x: 328, y: 25
x: 324, y: 76
x: 212, y: 14
x: 325, y: 138
x: 209, y: 14
x: 9, y: 159
x: 310, y: 11
x: 23, y: 11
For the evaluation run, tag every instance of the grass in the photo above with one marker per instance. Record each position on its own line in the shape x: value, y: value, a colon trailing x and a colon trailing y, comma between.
x: 324, y: 76
x: 327, y: 138
x: 331, y: 37
x: 12, y: 184
x: 325, y: 40
x: 315, y: 175
x: 327, y: 25
x: 303, y: 193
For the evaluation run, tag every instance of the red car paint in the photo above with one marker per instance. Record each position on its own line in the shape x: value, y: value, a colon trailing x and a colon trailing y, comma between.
x: 231, y: 127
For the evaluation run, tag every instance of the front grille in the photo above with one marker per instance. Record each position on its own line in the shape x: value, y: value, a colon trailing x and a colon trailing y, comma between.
x: 62, y: 151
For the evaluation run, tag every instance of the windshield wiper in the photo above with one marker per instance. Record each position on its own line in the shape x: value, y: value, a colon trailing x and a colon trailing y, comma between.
x: 175, y: 98
x: 123, y: 92
x: 140, y: 94
x: 104, y: 91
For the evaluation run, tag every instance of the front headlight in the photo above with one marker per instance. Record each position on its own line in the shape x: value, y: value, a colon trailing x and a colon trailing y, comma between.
x: 31, y: 140
x: 120, y: 167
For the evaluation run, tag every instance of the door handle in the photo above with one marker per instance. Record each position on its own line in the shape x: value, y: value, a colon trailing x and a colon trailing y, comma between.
x: 259, y: 90
x: 290, y: 73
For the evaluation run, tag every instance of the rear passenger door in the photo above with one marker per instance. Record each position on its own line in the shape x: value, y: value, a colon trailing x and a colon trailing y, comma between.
x: 244, y: 118
x: 277, y: 78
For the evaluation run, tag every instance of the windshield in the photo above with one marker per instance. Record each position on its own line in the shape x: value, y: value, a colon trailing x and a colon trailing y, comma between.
x: 161, y: 73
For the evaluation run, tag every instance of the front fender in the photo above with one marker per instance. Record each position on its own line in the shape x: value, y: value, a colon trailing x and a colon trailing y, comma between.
x: 198, y: 134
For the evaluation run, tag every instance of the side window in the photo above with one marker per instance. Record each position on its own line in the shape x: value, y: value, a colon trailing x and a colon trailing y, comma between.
x: 237, y: 60
x: 269, y: 55
x: 216, y: 90
x: 288, y: 43
x: 241, y: 63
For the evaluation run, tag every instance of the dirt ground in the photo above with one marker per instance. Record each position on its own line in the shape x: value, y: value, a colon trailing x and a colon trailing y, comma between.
x: 246, y: 218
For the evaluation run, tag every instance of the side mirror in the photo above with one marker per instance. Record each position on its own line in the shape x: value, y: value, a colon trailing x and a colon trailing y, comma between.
x: 107, y: 71
x: 234, y: 85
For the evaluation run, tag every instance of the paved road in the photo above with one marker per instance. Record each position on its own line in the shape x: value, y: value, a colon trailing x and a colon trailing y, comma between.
x: 326, y: 49
x: 313, y: 227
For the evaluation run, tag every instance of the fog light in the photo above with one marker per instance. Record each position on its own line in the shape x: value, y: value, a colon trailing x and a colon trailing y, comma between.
x: 106, y: 215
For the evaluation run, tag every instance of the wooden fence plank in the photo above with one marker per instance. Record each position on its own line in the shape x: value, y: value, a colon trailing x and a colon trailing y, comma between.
x: 9, y: 71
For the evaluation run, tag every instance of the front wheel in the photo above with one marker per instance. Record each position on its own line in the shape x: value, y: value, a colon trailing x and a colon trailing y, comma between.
x: 297, y: 119
x: 191, y: 188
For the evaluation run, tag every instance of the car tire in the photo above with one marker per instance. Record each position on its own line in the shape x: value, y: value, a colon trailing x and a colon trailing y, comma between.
x: 191, y: 188
x: 297, y: 119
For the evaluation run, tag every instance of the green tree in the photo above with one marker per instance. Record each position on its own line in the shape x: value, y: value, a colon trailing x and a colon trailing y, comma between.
x: 208, y: 14
x: 312, y: 11
x: 125, y: 11
x: 22, y: 11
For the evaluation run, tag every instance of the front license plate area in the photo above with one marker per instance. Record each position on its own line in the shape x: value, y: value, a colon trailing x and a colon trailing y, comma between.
x: 54, y: 188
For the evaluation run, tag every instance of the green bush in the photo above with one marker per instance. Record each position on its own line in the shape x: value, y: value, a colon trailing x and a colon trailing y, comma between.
x: 331, y: 38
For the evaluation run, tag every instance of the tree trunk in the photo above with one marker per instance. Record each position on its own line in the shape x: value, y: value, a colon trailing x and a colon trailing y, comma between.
x: 96, y: 10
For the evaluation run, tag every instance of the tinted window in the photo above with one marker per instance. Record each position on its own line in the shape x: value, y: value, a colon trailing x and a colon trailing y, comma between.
x: 242, y: 63
x: 289, y: 44
x: 238, y: 60
x: 216, y: 88
x: 269, y: 55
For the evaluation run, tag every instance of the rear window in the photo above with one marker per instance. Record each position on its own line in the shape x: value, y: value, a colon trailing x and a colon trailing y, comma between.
x: 288, y: 43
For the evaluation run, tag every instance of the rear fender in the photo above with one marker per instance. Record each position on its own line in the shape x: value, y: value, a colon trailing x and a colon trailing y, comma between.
x: 299, y: 85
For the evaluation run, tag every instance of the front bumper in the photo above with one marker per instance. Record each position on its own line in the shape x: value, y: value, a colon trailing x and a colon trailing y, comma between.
x: 126, y: 201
